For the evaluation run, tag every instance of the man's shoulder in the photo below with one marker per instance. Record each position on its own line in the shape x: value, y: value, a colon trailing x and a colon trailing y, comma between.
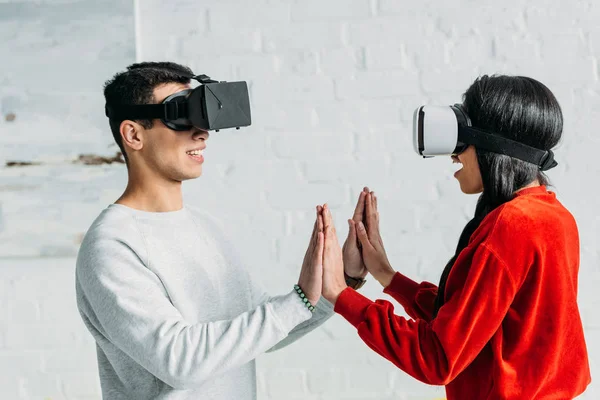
x: 205, y: 218
x: 112, y: 229
x: 111, y: 222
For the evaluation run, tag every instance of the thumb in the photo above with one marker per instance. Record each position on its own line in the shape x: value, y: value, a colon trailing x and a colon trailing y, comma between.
x: 362, y: 235
x: 352, y: 231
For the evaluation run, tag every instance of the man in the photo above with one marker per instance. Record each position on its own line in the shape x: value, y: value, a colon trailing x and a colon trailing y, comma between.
x: 174, y: 313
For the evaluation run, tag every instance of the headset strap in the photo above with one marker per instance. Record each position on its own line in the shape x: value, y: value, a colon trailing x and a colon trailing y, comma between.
x: 168, y: 111
x: 544, y: 159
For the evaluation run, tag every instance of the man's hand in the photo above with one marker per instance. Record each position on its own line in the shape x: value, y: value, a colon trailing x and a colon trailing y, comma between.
x: 354, y: 265
x: 311, y: 275
x: 373, y: 252
x: 333, y: 263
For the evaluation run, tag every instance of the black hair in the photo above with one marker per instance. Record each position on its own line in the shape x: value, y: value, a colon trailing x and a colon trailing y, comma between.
x: 518, y: 108
x: 136, y: 85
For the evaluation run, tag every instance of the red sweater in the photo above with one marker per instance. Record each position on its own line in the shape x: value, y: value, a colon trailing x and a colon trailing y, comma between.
x: 510, y: 326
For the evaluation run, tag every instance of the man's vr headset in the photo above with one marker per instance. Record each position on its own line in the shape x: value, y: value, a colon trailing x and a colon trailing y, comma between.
x: 442, y: 130
x: 211, y: 106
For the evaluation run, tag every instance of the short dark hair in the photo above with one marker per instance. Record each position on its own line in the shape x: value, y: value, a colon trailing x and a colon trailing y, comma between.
x: 136, y: 86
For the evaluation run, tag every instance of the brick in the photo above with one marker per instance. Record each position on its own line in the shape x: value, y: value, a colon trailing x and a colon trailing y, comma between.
x: 387, y: 55
x: 455, y: 80
x: 378, y: 84
x: 284, y: 379
x: 311, y: 146
x: 302, y: 35
x: 223, y: 15
x: 341, y: 61
x: 305, y: 196
x: 304, y: 63
x: 42, y: 386
x: 515, y: 46
x: 293, y: 90
x: 312, y: 10
x: 374, y: 30
x: 357, y: 115
x: 276, y: 120
x: 327, y: 382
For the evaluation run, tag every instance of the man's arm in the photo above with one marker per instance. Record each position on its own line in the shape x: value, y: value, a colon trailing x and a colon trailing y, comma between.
x: 323, y: 311
x: 127, y: 303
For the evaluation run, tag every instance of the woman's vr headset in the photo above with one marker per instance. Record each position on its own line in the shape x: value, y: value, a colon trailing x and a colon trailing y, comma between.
x: 442, y: 130
x: 211, y: 106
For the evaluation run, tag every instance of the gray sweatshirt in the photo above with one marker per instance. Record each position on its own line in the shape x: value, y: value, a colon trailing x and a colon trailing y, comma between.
x: 174, y: 312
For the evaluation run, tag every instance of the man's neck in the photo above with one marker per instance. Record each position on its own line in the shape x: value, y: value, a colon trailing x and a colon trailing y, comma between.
x: 152, y: 194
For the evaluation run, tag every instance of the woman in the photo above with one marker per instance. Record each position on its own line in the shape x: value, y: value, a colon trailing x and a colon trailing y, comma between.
x: 503, y: 323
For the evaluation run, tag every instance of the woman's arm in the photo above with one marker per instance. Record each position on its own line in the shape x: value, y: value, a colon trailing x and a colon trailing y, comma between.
x: 417, y: 299
x: 435, y: 352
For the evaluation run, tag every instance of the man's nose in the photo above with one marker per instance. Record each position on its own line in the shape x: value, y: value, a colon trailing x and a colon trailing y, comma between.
x: 199, y: 134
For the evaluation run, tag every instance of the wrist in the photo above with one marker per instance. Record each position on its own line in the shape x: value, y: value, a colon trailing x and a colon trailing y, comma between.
x: 355, y: 282
x: 335, y: 294
x: 385, y: 276
x: 355, y: 275
x: 307, y: 302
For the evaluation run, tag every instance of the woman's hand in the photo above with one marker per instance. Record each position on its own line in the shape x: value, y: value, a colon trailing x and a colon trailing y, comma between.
x: 333, y: 263
x: 354, y: 265
x: 311, y: 274
x: 373, y: 251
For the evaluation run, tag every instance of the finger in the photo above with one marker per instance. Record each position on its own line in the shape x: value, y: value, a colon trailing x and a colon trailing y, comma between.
x: 375, y: 201
x: 360, y: 207
x: 319, y: 219
x: 329, y: 225
x: 313, y: 241
x: 316, y: 226
x: 370, y: 212
x: 320, y: 247
x: 326, y: 216
x: 366, y: 189
x: 363, y: 238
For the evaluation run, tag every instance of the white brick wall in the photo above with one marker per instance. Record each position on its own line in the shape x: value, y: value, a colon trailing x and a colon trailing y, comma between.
x: 333, y: 87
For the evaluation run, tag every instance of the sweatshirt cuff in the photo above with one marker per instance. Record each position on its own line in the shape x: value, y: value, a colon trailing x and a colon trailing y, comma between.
x: 352, y: 306
x: 290, y: 310
x: 402, y: 288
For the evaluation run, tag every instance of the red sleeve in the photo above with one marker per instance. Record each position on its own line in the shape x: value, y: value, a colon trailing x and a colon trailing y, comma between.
x: 436, y: 352
x: 417, y: 299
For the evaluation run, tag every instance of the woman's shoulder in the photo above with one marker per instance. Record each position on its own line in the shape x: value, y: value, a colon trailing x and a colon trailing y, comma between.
x: 525, y: 222
x: 534, y: 212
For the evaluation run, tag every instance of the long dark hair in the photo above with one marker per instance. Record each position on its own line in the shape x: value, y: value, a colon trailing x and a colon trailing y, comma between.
x: 518, y: 108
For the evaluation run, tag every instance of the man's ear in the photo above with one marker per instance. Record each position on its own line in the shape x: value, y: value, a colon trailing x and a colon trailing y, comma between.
x: 132, y: 134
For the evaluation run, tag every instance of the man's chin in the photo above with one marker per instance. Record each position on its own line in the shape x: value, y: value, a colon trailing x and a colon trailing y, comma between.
x: 195, y: 175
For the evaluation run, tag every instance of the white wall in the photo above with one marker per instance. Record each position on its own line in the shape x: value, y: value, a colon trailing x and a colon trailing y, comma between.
x: 333, y: 87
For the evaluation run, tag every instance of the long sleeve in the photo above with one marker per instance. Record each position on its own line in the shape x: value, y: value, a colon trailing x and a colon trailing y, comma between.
x: 323, y: 311
x: 127, y: 303
x: 417, y: 299
x: 436, y: 352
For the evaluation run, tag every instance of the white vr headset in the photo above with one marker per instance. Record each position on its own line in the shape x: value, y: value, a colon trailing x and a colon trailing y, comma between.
x: 443, y: 130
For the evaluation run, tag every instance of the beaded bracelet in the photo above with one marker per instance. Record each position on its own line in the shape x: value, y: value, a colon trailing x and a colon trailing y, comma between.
x: 298, y: 290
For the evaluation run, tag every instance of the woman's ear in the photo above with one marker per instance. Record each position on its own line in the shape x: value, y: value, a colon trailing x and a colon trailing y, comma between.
x: 132, y: 135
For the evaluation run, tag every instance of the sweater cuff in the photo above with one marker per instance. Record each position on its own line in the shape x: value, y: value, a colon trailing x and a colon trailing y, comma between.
x: 352, y: 305
x: 403, y: 287
x: 290, y: 310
